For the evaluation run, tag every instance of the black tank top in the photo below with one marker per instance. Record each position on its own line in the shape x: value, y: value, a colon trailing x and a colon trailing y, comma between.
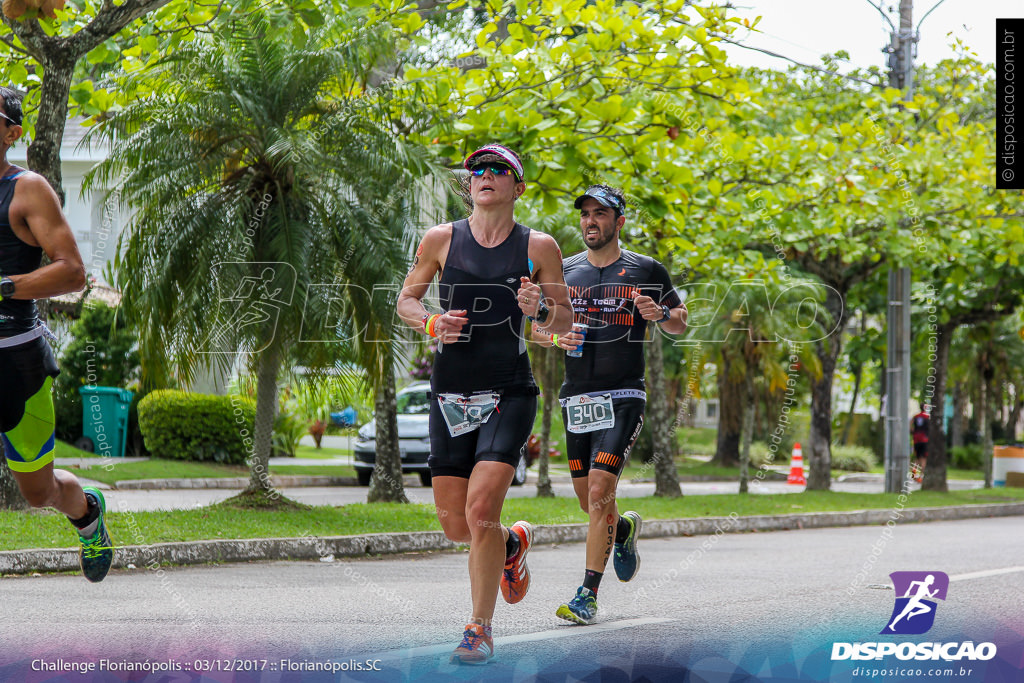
x: 483, y: 281
x: 16, y: 258
x: 602, y: 298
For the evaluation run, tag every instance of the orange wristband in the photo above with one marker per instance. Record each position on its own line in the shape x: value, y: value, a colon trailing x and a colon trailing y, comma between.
x: 431, y: 323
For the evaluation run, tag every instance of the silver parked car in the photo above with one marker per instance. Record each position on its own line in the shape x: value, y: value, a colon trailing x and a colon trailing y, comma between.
x: 413, y: 436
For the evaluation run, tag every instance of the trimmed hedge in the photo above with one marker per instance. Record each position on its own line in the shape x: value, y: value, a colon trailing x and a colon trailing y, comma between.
x: 180, y: 425
x: 967, y: 457
x: 852, y: 458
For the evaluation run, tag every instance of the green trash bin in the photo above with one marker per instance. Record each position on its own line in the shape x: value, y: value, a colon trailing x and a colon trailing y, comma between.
x: 105, y: 419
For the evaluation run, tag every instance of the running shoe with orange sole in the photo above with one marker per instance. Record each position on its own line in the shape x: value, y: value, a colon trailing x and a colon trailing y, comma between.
x: 515, y: 580
x: 477, y: 646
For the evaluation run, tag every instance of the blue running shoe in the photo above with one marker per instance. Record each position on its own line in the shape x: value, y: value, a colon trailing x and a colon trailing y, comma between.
x: 580, y: 610
x: 97, y: 552
x: 626, y: 559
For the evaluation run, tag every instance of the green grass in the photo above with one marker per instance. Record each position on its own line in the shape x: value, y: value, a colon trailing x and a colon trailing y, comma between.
x: 315, y: 470
x: 321, y: 454
x: 159, y: 469
x: 697, y: 441
x: 686, y: 468
x: 50, y: 530
x: 180, y: 469
x: 62, y: 449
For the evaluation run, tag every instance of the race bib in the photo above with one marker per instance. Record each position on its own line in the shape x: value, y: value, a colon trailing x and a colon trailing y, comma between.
x: 589, y: 413
x: 463, y: 414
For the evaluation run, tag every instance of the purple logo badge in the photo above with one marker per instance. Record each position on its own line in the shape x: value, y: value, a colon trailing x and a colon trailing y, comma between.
x: 916, y: 592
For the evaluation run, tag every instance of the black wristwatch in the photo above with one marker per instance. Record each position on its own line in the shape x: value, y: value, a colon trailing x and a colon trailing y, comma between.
x: 666, y: 314
x: 6, y: 288
x: 542, y: 314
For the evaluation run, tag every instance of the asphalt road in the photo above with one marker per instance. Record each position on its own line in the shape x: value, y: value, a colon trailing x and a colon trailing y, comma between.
x: 771, y: 604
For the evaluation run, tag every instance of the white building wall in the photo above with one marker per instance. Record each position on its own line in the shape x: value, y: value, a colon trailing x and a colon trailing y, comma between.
x: 95, y: 230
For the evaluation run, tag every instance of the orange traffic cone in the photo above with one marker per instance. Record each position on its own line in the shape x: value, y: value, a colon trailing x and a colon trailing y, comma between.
x: 796, y: 468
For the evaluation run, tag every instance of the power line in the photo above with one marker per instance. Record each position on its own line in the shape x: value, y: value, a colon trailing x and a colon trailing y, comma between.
x: 798, y: 63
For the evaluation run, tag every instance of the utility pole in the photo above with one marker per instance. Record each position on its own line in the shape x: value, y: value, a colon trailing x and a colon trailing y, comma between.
x: 901, y: 49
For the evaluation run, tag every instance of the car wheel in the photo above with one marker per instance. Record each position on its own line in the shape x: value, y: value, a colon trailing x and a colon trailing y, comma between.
x: 364, y: 477
x: 519, y: 478
x: 425, y: 478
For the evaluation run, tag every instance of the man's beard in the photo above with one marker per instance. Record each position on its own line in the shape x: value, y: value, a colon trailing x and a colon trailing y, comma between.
x: 602, y: 239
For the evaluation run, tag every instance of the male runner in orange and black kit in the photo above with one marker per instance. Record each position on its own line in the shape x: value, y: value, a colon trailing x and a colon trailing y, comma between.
x: 31, y: 224
x: 616, y: 293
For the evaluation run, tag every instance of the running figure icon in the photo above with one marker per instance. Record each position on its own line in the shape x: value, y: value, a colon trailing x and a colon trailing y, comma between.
x: 917, y: 595
x: 916, y: 606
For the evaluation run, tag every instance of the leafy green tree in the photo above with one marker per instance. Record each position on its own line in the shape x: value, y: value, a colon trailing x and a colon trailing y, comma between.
x: 877, y: 190
x: 586, y: 95
x: 258, y: 167
x: 102, y: 352
x: 50, y: 59
x: 755, y: 329
x: 46, y: 57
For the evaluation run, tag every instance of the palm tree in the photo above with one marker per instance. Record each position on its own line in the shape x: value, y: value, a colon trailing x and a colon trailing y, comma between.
x: 752, y: 350
x: 257, y: 168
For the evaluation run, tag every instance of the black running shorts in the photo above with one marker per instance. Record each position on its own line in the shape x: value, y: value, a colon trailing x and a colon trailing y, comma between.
x: 500, y: 439
x: 606, y: 449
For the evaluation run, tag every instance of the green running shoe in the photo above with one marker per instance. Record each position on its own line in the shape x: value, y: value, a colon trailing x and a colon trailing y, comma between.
x: 580, y: 610
x: 97, y: 552
x: 626, y: 559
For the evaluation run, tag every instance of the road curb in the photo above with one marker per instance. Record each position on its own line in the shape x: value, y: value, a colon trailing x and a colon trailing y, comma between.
x: 317, y: 547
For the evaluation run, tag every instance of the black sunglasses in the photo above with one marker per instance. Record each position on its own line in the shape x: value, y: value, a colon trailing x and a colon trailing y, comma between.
x: 13, y: 122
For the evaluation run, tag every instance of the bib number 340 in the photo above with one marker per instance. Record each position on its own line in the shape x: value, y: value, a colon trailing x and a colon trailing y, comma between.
x: 590, y: 413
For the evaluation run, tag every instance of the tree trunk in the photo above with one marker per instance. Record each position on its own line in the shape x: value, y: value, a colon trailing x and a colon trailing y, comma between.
x: 387, y: 486
x: 730, y: 416
x: 986, y: 427
x: 44, y: 153
x: 548, y: 362
x: 858, y: 371
x: 268, y: 367
x: 819, y: 459
x: 937, y: 462
x: 999, y: 412
x: 748, y: 433
x: 10, y: 495
x: 956, y: 425
x: 660, y: 422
